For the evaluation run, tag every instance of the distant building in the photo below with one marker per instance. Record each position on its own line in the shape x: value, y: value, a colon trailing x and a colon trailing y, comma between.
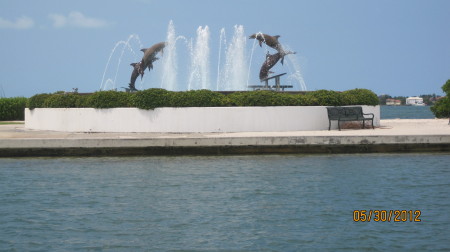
x: 393, y: 102
x: 415, y: 101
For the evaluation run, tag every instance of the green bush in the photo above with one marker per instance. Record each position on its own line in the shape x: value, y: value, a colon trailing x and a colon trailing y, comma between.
x: 305, y: 100
x: 261, y: 98
x: 152, y: 98
x: 359, y: 96
x: 58, y: 100
x: 62, y: 100
x: 442, y: 107
x: 82, y: 101
x: 12, y: 108
x: 107, y: 99
x: 198, y: 98
x: 325, y: 98
x: 37, y: 101
x: 156, y: 98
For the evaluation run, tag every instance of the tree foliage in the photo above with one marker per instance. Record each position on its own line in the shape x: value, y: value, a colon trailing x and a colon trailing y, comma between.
x: 441, y: 108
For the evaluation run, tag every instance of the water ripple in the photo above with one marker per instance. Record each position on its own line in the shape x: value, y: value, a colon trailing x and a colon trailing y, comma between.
x: 240, y: 203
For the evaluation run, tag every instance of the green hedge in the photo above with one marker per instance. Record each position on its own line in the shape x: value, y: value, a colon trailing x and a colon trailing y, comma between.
x: 261, y: 98
x: 152, y: 98
x: 156, y: 98
x: 37, y: 101
x: 57, y: 100
x: 12, y: 109
x: 359, y: 96
x: 65, y: 100
x: 107, y: 99
x: 199, y: 98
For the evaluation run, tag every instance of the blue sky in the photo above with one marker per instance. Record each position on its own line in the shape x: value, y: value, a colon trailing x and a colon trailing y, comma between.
x: 399, y: 47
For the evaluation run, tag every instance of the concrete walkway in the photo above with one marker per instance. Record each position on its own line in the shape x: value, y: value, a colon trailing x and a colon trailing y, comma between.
x: 399, y: 135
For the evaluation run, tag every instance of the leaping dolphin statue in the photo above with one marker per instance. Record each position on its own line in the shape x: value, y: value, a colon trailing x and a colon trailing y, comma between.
x: 271, y: 60
x: 136, y: 68
x: 134, y: 75
x: 150, y: 56
x: 146, y: 62
x: 271, y: 41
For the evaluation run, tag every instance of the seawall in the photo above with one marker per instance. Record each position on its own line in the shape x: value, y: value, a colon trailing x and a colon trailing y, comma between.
x: 422, y: 135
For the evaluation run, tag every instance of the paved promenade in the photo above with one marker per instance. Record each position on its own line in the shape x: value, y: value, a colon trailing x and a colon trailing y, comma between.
x: 399, y: 135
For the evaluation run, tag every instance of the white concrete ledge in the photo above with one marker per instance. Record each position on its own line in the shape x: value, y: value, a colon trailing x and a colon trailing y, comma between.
x: 185, y: 120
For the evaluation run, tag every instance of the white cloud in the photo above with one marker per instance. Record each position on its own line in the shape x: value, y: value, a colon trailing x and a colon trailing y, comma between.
x: 76, y: 19
x: 58, y: 20
x: 20, y: 23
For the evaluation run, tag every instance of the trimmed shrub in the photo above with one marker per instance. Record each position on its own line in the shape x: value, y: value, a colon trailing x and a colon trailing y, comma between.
x: 12, y: 108
x: 37, y: 101
x: 157, y: 98
x: 152, y: 98
x: 305, y: 100
x: 324, y: 98
x: 62, y: 100
x: 261, y: 98
x: 198, y: 98
x: 107, y: 99
x: 359, y: 97
x: 82, y: 101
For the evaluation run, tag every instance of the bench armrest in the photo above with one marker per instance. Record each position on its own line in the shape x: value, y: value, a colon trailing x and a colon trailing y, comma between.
x: 373, y: 116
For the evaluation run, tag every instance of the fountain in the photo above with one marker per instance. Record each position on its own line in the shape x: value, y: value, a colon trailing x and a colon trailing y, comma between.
x: 199, y: 73
x: 169, y: 60
x: 186, y: 63
x: 234, y: 76
x: 126, y: 44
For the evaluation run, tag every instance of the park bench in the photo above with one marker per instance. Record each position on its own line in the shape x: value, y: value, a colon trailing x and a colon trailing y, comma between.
x: 348, y: 114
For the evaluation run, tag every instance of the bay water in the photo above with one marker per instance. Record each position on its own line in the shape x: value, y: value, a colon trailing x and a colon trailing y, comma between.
x: 406, y: 112
x: 227, y: 203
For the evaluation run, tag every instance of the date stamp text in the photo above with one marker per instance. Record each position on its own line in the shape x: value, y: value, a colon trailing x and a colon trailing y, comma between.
x: 387, y: 215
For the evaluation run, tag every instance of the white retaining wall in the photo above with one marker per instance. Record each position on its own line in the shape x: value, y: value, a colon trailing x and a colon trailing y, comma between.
x: 193, y: 119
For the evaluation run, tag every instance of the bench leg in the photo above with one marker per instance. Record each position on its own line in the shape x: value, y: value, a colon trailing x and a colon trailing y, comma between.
x: 329, y: 125
x: 339, y: 125
x: 364, y: 123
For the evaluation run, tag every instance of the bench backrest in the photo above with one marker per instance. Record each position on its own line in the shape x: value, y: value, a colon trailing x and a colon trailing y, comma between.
x: 336, y: 113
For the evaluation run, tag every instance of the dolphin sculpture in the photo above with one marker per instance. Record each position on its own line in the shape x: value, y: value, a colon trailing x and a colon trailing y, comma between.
x: 271, y: 41
x: 150, y: 56
x: 146, y: 62
x: 134, y: 75
x: 136, y: 68
x: 271, y: 60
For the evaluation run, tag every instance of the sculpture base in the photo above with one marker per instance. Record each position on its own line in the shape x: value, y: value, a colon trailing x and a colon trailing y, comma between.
x: 183, y: 120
